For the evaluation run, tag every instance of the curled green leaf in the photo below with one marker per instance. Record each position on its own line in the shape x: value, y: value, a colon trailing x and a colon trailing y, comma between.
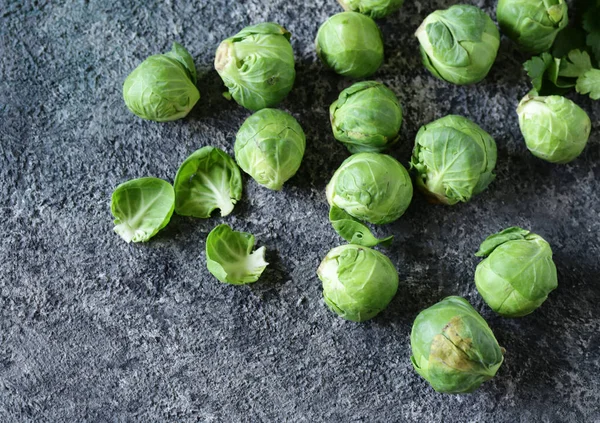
x: 353, y: 230
x: 229, y: 256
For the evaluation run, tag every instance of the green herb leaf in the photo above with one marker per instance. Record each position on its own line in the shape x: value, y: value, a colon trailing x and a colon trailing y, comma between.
x: 589, y: 83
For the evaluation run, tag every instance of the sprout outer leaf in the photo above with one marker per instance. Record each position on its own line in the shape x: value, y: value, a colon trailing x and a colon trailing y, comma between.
x: 207, y: 180
x: 141, y: 208
x: 354, y: 231
x: 229, y: 256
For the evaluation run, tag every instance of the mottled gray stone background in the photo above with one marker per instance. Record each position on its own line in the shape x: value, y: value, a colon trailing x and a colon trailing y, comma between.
x: 93, y: 329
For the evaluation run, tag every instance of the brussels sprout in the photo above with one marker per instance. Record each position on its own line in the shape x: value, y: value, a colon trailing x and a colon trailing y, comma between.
x: 454, y: 159
x: 162, y: 87
x: 366, y: 117
x: 372, y: 187
x: 453, y: 348
x: 459, y: 44
x: 353, y: 231
x: 141, y: 208
x: 532, y: 24
x: 373, y: 8
x: 229, y: 256
x: 257, y: 65
x: 350, y: 44
x: 358, y: 282
x: 269, y: 147
x: 207, y: 180
x: 555, y: 129
x: 518, y: 273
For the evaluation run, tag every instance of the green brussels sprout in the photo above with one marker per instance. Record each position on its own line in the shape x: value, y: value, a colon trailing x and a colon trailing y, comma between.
x: 229, y: 256
x: 373, y: 8
x: 269, y: 147
x: 366, y: 117
x: 350, y: 44
x: 555, y: 129
x: 353, y: 230
x: 257, y: 65
x: 453, y: 348
x: 358, y: 282
x: 207, y: 180
x: 454, y: 159
x: 532, y: 24
x: 518, y: 273
x: 372, y: 187
x: 141, y: 208
x: 162, y: 87
x: 459, y: 44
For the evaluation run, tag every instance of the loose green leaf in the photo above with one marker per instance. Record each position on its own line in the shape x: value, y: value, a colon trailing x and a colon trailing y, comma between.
x: 536, y: 67
x: 207, y: 180
x: 589, y: 83
x: 575, y: 64
x: 229, y: 256
x: 141, y: 208
x: 353, y: 230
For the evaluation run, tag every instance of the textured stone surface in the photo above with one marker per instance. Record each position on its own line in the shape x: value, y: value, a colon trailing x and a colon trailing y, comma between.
x: 93, y: 329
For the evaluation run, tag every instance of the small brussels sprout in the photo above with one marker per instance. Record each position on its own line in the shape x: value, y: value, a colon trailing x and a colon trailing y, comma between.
x: 269, y: 147
x: 354, y: 231
x: 141, y: 208
x: 518, y: 273
x: 358, y: 282
x: 229, y: 256
x: 555, y: 129
x: 453, y: 348
x: 459, y: 44
x: 162, y: 87
x: 373, y: 8
x: 350, y: 44
x: 372, y: 187
x: 207, y: 180
x: 257, y: 65
x: 366, y: 117
x: 454, y: 159
x: 532, y: 24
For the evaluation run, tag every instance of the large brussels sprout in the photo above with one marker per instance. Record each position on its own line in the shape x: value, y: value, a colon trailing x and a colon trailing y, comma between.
x: 358, y: 282
x: 366, y: 117
x: 459, y: 44
x: 532, y: 24
x: 518, y: 273
x: 453, y: 348
x: 351, y: 44
x: 257, y: 65
x: 373, y: 8
x: 269, y: 147
x: 141, y: 208
x: 229, y: 256
x: 454, y: 159
x: 162, y: 87
x: 207, y: 180
x: 372, y: 187
x: 555, y: 129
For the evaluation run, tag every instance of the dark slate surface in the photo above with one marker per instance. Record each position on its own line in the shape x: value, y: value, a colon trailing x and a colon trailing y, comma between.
x: 93, y: 329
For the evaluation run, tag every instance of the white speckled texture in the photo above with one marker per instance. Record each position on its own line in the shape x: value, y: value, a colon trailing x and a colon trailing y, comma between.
x: 93, y: 329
